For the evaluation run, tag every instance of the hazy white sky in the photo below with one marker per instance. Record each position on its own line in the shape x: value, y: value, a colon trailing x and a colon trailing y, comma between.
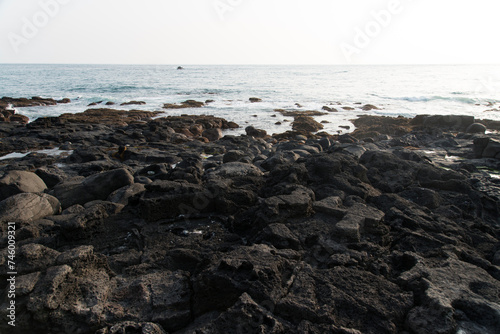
x: 249, y: 31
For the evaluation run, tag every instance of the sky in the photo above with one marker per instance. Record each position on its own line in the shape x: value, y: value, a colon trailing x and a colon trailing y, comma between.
x: 249, y: 31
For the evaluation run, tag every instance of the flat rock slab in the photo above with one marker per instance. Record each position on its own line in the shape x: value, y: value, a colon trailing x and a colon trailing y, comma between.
x: 331, y: 206
x: 372, y: 216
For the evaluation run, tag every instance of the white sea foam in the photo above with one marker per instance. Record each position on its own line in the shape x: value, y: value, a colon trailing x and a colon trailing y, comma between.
x: 397, y: 90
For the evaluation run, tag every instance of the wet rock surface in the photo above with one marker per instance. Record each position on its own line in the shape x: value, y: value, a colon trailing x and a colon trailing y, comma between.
x: 144, y: 227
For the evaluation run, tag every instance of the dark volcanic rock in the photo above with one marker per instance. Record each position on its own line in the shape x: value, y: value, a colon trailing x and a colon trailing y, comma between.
x: 306, y: 124
x: 28, y: 207
x: 292, y: 234
x: 476, y: 128
x: 108, y: 116
x: 139, y: 103
x: 185, y: 104
x: 15, y: 182
x: 485, y: 147
x: 95, y: 187
x: 449, y: 122
x: 33, y: 102
x: 257, y: 133
x: 212, y: 134
x: 169, y: 199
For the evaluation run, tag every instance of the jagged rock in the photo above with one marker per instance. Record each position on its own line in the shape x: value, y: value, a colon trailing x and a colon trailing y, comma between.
x: 279, y: 236
x: 295, y: 202
x: 331, y: 206
x: 402, y: 239
x: 81, y: 253
x: 259, y: 270
x: 349, y: 227
x: 376, y: 306
x: 452, y: 292
x: 163, y: 297
x: 85, y: 223
x: 47, y: 294
x: 247, y: 316
x: 15, y: 182
x: 28, y: 207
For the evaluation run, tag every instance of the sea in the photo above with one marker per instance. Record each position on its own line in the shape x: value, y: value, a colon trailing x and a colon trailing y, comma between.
x: 396, y: 90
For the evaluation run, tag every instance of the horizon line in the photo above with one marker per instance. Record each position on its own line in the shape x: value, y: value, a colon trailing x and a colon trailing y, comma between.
x: 250, y: 64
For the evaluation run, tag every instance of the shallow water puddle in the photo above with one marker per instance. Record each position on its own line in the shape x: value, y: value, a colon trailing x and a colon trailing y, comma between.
x: 55, y: 152
x: 14, y: 155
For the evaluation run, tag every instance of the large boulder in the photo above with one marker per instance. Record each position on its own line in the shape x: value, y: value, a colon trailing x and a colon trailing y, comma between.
x: 15, y: 182
x: 257, y: 133
x: 95, y: 187
x: 476, y: 128
x: 306, y: 124
x: 28, y: 207
x: 213, y: 134
x: 485, y: 147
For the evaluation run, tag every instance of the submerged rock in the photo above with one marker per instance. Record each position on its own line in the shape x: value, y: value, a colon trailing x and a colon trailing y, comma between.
x: 185, y: 104
x: 306, y: 124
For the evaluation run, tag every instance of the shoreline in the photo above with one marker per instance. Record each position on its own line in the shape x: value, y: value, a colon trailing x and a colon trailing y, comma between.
x: 167, y: 225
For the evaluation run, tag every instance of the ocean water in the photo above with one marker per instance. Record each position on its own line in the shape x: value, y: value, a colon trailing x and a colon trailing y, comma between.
x: 397, y: 90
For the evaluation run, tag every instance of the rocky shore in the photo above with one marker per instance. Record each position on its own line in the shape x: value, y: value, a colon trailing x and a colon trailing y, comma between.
x: 129, y: 224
